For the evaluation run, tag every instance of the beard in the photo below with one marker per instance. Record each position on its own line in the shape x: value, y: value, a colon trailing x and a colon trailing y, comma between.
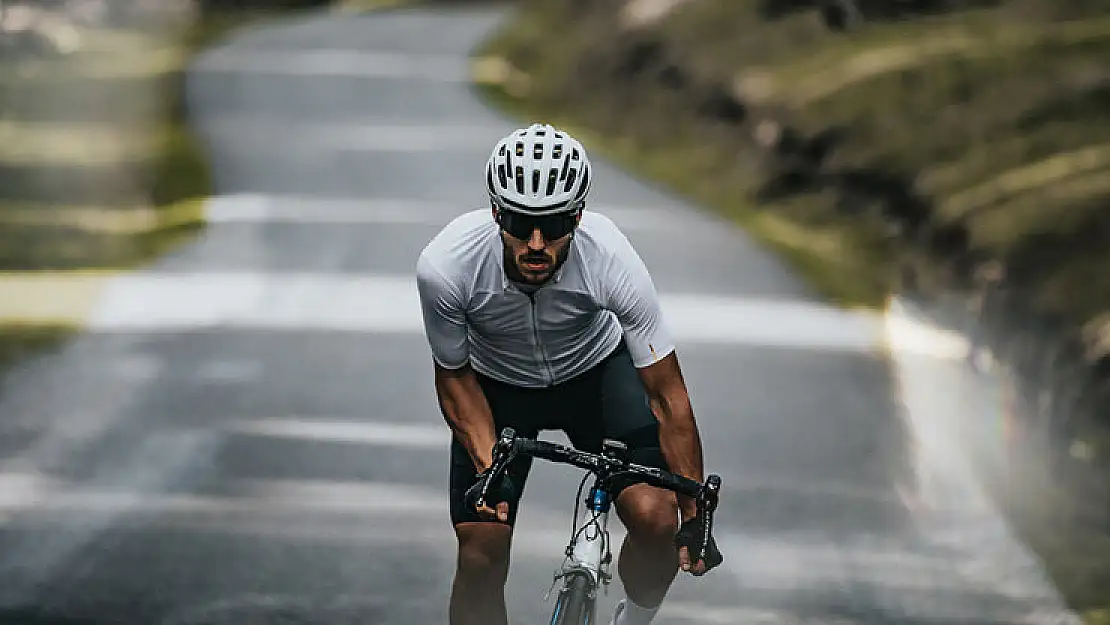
x: 547, y: 264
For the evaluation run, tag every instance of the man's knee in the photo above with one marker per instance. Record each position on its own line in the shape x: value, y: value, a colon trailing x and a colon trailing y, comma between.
x: 483, y: 552
x: 650, y: 514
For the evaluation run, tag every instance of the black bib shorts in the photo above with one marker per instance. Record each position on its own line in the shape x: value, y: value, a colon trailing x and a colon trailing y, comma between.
x: 607, y: 401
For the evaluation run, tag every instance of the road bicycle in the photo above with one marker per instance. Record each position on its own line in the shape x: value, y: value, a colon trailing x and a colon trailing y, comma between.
x: 586, y: 567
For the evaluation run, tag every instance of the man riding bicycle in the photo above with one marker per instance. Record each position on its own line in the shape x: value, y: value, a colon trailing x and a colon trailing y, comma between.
x: 545, y: 317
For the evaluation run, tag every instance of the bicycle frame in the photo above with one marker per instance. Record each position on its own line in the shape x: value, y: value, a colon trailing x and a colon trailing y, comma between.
x: 588, y: 554
x: 589, y: 551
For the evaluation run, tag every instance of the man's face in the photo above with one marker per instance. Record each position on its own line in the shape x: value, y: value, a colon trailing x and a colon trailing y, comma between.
x: 534, y: 258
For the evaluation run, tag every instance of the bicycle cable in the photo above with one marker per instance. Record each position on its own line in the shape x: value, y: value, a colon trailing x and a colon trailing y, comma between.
x: 574, y: 531
x: 577, y: 531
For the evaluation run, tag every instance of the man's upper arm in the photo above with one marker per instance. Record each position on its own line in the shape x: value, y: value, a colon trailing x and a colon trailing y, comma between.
x: 444, y: 313
x: 632, y: 297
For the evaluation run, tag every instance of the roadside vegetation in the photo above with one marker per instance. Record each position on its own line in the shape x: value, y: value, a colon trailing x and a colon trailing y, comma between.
x: 99, y: 169
x: 936, y: 149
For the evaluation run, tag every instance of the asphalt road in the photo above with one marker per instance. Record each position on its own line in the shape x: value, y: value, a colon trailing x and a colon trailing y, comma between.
x: 247, y: 433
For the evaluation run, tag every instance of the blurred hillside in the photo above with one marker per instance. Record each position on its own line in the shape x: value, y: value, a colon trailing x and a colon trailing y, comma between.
x: 953, y: 151
x: 98, y: 168
x: 94, y: 150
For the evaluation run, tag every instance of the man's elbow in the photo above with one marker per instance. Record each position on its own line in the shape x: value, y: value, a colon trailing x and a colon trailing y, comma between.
x: 672, y: 406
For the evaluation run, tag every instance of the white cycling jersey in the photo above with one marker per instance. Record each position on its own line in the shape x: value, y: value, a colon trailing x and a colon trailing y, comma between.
x: 474, y: 314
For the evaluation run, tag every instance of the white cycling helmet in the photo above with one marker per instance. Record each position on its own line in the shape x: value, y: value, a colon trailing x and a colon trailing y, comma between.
x: 538, y: 170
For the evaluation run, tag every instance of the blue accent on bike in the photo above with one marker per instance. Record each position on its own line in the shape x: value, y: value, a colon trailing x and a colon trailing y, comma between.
x: 599, y: 500
x: 558, y: 609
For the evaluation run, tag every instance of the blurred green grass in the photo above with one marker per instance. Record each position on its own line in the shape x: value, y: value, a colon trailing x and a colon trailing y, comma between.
x: 951, y: 141
x: 20, y: 342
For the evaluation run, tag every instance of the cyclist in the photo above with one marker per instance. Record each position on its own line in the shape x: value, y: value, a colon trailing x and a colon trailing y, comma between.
x: 545, y: 317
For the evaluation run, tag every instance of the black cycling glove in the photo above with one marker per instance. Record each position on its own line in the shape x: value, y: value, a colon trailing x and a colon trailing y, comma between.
x: 505, y: 491
x: 692, y: 535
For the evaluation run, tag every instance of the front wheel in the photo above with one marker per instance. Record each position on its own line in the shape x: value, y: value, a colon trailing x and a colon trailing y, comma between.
x: 575, y: 605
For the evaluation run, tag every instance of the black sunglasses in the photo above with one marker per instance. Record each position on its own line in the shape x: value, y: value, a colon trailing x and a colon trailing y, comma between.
x: 552, y: 226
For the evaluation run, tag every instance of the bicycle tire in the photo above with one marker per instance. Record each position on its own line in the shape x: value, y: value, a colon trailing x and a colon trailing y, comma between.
x: 575, y: 606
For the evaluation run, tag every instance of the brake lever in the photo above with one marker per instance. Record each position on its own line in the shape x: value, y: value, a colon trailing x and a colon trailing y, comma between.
x: 503, y: 452
x: 707, y: 502
x: 710, y: 493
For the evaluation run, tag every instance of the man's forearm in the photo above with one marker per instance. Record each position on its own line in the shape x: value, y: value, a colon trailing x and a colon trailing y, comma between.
x: 467, y: 412
x: 680, y: 442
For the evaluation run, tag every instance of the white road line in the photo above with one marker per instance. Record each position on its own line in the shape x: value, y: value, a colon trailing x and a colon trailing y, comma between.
x: 30, y: 492
x: 313, y: 510
x: 438, y: 437
x: 446, y: 68
x: 371, y: 433
x: 748, y: 321
x: 257, y: 208
x: 250, y: 133
x: 144, y: 468
x: 354, y: 514
x: 389, y: 304
x: 313, y: 507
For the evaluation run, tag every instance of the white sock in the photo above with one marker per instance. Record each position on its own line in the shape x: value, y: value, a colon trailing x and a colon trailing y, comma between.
x: 632, y: 614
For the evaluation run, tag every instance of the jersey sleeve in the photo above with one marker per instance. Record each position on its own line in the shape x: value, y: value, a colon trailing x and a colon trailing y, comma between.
x: 444, y: 315
x: 632, y: 297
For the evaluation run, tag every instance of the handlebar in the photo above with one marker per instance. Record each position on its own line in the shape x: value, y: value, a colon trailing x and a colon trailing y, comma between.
x: 602, y: 464
x: 607, y: 463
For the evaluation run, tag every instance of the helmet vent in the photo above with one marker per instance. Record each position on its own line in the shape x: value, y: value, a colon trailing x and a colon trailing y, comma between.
x: 552, y: 179
x: 502, y: 177
x: 519, y: 179
x: 535, y: 181
x: 570, y: 180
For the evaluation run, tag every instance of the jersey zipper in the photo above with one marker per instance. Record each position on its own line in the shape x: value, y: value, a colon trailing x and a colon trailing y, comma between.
x: 541, y: 355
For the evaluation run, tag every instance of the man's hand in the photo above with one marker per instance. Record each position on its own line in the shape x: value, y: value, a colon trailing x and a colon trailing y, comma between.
x: 689, y: 542
x: 500, y: 495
